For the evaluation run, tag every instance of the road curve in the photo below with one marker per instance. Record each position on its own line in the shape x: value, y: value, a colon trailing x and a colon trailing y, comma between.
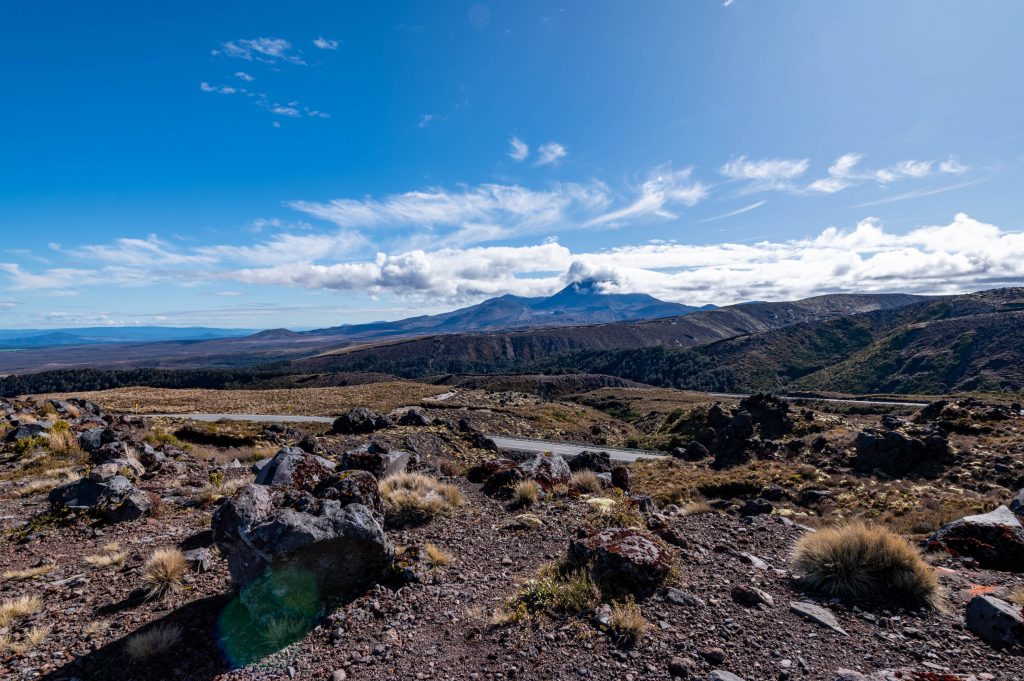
x: 570, y: 449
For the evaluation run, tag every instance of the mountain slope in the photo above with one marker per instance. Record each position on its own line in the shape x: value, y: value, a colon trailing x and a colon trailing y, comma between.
x: 578, y: 303
x: 482, y: 353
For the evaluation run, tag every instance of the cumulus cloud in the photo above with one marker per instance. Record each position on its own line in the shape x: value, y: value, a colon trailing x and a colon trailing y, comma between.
x: 552, y: 152
x: 519, y: 149
x: 964, y: 255
x: 326, y: 44
x: 767, y: 173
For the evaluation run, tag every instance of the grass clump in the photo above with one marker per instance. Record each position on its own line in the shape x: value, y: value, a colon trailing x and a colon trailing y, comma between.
x: 20, y: 607
x: 556, y: 591
x: 153, y: 642
x: 217, y: 489
x: 414, y: 497
x: 28, y: 573
x: 627, y: 623
x: 32, y: 638
x: 112, y: 555
x: 437, y: 556
x: 586, y: 482
x: 1017, y: 596
x: 62, y: 440
x: 866, y: 563
x: 525, y: 494
x: 163, y: 572
x: 696, y: 508
x: 30, y: 444
x: 278, y: 632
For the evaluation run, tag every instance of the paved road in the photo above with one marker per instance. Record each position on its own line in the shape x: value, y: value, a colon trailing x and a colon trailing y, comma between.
x: 259, y: 418
x: 571, y: 449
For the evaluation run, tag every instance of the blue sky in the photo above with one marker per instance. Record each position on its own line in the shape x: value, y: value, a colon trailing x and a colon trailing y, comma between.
x: 264, y: 164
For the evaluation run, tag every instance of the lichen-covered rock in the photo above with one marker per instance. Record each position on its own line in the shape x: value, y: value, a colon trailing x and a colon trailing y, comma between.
x: 114, y: 500
x: 267, y: 530
x: 360, y: 421
x: 24, y: 432
x: 547, y: 470
x: 623, y: 557
x: 293, y: 467
x: 482, y: 471
x: 995, y: 540
x: 995, y: 620
x: 622, y: 478
x: 415, y: 417
x: 377, y: 460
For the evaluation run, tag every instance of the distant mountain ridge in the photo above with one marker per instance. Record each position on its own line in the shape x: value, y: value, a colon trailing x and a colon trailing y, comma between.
x: 14, y: 339
x: 579, y: 303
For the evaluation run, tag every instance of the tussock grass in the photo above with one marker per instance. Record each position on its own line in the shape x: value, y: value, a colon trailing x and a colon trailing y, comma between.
x: 29, y: 573
x: 112, y: 555
x: 17, y: 608
x: 864, y: 563
x: 62, y: 440
x: 556, y: 592
x: 627, y: 624
x: 437, y: 556
x: 96, y: 628
x: 525, y: 494
x: 33, y: 637
x: 414, y: 497
x: 617, y: 512
x: 163, y: 571
x: 1017, y: 596
x: 696, y: 508
x: 279, y: 632
x: 153, y: 642
x: 586, y: 482
x: 212, y: 492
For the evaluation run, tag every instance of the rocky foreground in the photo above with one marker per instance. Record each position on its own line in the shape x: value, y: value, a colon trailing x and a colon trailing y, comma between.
x: 340, y: 555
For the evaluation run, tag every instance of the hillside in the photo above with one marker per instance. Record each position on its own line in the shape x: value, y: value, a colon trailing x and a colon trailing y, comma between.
x: 487, y: 353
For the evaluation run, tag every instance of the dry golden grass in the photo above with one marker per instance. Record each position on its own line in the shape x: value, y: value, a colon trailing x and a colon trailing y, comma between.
x: 332, y: 401
x: 163, y: 571
x: 627, y: 624
x: 62, y: 440
x: 19, y: 607
x: 526, y: 493
x: 112, y: 555
x: 32, y: 638
x: 865, y: 563
x: 696, y: 508
x: 586, y: 482
x: 96, y: 628
x: 29, y: 573
x: 1017, y: 596
x: 555, y: 591
x: 414, y: 496
x: 152, y: 642
x: 211, y: 493
x: 437, y: 556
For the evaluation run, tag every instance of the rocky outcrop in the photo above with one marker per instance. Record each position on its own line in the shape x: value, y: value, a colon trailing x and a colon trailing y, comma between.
x: 272, y: 530
x: 376, y: 459
x: 897, y: 453
x: 29, y: 430
x: 360, y: 421
x: 691, y: 451
x: 995, y: 540
x: 599, y: 462
x: 500, y: 475
x: 547, y: 470
x: 352, y: 487
x: 622, y: 557
x: 114, y: 498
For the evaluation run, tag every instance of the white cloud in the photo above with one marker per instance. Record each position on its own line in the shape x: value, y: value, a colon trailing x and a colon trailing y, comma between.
x: 269, y: 50
x: 844, y: 173
x: 840, y: 175
x: 219, y: 89
x: 664, y: 187
x: 961, y: 256
x: 244, y: 76
x: 285, y: 111
x: 734, y: 213
x: 951, y: 165
x: 551, y: 153
x: 427, y: 119
x: 326, y: 44
x: 520, y: 149
x: 768, y: 173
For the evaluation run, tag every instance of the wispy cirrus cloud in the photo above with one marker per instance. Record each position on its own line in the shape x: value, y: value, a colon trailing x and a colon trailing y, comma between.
x: 519, y: 150
x: 663, y: 189
x: 845, y: 172
x: 269, y: 50
x: 326, y: 43
x: 551, y: 152
x: 767, y: 173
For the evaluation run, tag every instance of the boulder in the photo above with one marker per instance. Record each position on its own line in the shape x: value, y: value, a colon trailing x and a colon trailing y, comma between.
x: 622, y: 478
x: 282, y: 536
x: 623, y: 557
x: 770, y: 413
x: 995, y: 540
x: 757, y: 506
x: 995, y: 620
x: 114, y: 500
x: 105, y: 472
x: 295, y: 468
x: 119, y: 449
x: 352, y: 487
x: 92, y: 439
x: 691, y: 451
x: 29, y: 430
x: 599, y: 462
x: 1017, y: 504
x: 377, y: 460
x: 360, y: 421
x: 547, y: 470
x: 896, y: 453
x: 482, y: 471
x: 415, y: 417
x: 199, y: 560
